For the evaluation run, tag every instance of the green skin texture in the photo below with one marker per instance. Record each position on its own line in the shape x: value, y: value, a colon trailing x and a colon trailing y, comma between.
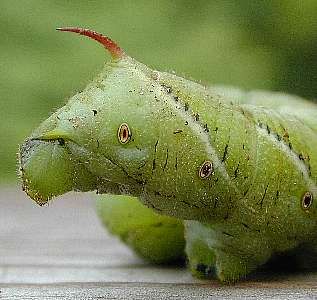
x: 262, y: 146
x: 157, y: 238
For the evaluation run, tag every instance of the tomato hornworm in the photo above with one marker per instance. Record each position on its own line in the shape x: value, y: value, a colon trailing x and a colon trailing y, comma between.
x: 233, y: 172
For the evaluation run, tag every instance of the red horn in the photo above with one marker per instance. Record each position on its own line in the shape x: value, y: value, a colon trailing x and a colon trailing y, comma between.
x: 115, y: 51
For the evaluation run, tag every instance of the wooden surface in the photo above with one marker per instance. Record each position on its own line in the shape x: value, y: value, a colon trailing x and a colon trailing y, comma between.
x: 61, y: 251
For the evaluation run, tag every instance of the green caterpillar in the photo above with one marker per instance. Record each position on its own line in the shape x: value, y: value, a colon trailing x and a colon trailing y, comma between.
x: 238, y: 169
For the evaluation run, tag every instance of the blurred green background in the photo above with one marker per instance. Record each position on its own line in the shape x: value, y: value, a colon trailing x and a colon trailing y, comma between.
x: 251, y: 44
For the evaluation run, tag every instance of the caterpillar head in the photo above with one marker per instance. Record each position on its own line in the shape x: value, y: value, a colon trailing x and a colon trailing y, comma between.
x: 94, y: 142
x: 86, y: 145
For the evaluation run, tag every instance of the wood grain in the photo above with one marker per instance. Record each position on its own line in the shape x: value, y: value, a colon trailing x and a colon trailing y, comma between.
x: 62, y: 251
